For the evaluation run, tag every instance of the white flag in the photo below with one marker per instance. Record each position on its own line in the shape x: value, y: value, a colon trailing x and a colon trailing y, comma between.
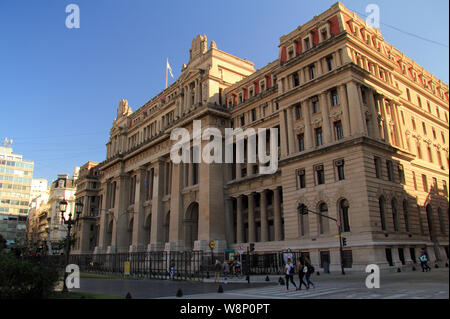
x: 169, y: 68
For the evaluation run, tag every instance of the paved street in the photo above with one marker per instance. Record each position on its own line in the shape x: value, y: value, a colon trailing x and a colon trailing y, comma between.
x: 405, y: 285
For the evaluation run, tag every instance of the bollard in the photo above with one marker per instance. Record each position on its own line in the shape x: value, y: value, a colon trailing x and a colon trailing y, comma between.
x: 281, y: 281
x: 128, y: 296
x: 399, y: 270
x: 220, y: 290
x: 413, y: 268
x: 436, y: 266
x: 318, y: 273
x: 267, y: 278
x: 179, y: 293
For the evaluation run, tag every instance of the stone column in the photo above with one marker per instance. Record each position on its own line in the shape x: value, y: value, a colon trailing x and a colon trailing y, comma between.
x: 176, y: 205
x: 277, y: 214
x: 264, y: 223
x: 251, y: 218
x: 356, y: 115
x: 157, y: 231
x: 239, y: 222
x: 373, y: 110
x: 387, y: 135
x: 290, y: 129
x: 103, y: 221
x: 283, y: 134
x: 229, y: 225
x: 139, y: 232
x: 345, y: 111
x: 323, y: 100
x: 308, y: 129
x: 120, y: 229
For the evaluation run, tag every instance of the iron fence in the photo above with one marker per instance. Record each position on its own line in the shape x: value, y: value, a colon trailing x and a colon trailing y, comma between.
x: 182, y: 265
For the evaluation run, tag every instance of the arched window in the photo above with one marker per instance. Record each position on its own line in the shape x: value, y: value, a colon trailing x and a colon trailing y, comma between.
x: 343, y: 214
x: 381, y: 203
x: 405, y: 214
x: 394, y: 214
x: 323, y: 222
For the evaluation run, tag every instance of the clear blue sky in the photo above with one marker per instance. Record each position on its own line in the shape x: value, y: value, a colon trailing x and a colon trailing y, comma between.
x: 60, y: 87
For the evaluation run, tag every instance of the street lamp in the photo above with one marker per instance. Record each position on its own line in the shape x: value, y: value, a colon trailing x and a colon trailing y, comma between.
x: 69, y: 222
x: 303, y: 210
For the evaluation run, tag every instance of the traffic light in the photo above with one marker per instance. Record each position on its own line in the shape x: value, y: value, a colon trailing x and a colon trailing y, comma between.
x: 302, y: 209
x: 344, y: 241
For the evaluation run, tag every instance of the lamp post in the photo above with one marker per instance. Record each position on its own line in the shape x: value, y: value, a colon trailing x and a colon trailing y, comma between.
x: 69, y: 222
x: 303, y: 210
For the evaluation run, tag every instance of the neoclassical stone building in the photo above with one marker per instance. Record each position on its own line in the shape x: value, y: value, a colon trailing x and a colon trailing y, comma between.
x: 363, y: 137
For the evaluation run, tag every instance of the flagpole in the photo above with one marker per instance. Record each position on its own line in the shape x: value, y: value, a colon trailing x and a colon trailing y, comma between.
x: 167, y: 69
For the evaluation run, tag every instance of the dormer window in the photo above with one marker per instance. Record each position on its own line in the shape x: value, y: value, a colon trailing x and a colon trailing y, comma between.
x: 251, y: 92
x: 262, y: 85
x: 291, y: 52
x: 324, y: 34
x: 306, y: 44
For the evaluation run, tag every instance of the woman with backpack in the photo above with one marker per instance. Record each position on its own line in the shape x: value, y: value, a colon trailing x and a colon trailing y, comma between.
x: 301, y: 272
x: 289, y: 270
x: 309, y: 272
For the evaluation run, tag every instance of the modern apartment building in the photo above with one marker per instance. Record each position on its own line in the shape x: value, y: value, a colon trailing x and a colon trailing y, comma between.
x: 363, y: 138
x: 15, y: 185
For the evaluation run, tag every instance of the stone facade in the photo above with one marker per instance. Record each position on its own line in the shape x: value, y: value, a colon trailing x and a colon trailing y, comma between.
x: 363, y: 138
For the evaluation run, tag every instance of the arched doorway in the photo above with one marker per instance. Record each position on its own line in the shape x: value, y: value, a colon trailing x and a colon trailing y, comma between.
x: 190, y: 223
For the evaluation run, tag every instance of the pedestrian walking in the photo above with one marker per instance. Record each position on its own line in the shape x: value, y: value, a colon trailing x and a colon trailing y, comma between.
x: 217, y: 270
x: 309, y: 272
x: 301, y: 267
x: 289, y: 270
x: 172, y: 271
x: 424, y: 262
x: 226, y: 271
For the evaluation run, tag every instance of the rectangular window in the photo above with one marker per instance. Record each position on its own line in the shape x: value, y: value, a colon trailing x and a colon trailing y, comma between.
x: 340, y: 169
x: 435, y: 185
x: 408, y: 94
x: 315, y: 104
x: 301, y: 178
x: 334, y: 97
x: 329, y: 60
x: 320, y: 174
x: 301, y: 142
x: 242, y: 120
x: 401, y: 174
x: 444, y: 188
x: 424, y: 183
x: 414, y: 180
x: 295, y: 79
x: 390, y: 170
x: 312, y: 71
x: 377, y: 162
x: 298, y: 111
x: 319, y: 136
x: 253, y: 114
x: 338, y: 131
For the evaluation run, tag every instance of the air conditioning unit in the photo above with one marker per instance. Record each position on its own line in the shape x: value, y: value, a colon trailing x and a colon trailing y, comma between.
x: 339, y: 162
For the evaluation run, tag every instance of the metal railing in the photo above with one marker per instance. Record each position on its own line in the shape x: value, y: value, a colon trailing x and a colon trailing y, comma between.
x: 183, y: 265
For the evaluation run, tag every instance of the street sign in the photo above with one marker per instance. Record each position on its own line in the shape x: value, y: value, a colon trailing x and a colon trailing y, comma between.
x: 212, y: 244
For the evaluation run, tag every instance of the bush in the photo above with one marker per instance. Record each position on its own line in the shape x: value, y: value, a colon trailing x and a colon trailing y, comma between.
x: 22, y: 279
